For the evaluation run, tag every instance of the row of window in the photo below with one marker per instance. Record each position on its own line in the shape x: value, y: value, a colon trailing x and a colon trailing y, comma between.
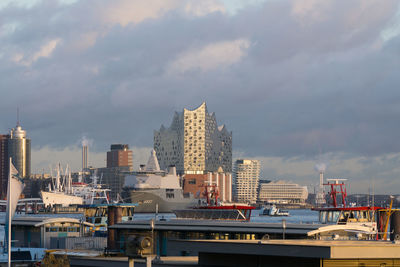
x: 63, y: 229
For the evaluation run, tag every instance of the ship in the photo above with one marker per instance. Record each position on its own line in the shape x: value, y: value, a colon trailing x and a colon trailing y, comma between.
x: 155, y: 190
x: 213, y: 209
x: 63, y: 192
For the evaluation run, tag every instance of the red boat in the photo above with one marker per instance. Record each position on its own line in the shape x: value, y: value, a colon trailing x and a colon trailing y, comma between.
x: 214, y: 210
x: 345, y: 223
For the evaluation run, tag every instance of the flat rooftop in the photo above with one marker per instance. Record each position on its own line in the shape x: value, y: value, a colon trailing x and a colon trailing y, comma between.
x: 300, y: 248
x: 217, y: 226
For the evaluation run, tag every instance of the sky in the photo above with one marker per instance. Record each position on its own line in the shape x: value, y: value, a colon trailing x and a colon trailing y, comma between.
x: 298, y: 82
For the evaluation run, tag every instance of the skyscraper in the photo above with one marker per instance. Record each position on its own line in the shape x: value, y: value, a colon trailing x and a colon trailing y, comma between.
x: 4, y: 164
x: 246, y: 176
x: 119, y: 155
x: 194, y: 143
x: 19, y: 149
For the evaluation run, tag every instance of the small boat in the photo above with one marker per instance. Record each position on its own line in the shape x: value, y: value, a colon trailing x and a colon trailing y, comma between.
x: 273, y: 211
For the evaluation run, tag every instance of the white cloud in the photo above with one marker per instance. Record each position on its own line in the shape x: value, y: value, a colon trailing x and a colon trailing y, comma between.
x: 210, y: 57
x: 124, y: 12
x: 311, y: 10
x: 204, y: 7
x: 45, y: 51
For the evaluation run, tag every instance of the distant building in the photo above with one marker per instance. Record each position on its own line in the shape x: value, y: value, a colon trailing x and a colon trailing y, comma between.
x: 4, y: 164
x: 246, y: 175
x: 119, y: 156
x: 282, y: 192
x: 19, y: 149
x: 114, y: 178
x: 194, y: 183
x: 119, y: 164
x: 194, y: 143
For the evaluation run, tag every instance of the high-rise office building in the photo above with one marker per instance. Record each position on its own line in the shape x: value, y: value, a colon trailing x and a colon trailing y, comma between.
x: 194, y: 143
x: 119, y: 156
x: 246, y: 176
x: 19, y: 149
x: 4, y: 164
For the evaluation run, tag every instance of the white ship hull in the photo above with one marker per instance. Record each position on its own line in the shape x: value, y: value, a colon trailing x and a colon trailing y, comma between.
x: 59, y: 198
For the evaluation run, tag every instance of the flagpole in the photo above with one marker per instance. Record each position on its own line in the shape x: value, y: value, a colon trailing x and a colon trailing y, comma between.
x: 9, y: 215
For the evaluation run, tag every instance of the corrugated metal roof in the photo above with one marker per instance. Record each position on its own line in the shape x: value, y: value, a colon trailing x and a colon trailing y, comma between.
x: 217, y: 226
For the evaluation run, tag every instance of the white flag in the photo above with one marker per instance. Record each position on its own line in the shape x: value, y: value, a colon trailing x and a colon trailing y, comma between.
x: 16, y: 185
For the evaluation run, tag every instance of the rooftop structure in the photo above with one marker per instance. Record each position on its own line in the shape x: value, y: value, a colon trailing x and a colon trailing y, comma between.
x: 37, y: 231
x: 194, y: 143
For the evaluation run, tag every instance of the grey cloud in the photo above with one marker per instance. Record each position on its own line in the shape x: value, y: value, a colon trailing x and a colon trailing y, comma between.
x: 306, y: 85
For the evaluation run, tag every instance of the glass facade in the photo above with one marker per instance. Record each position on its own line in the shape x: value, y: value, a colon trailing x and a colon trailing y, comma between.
x: 19, y: 149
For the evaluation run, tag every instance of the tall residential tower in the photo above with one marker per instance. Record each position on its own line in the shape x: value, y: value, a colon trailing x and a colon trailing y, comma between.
x: 194, y: 143
x: 246, y: 176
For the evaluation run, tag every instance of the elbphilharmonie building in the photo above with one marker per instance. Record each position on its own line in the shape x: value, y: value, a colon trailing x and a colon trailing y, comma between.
x: 194, y: 143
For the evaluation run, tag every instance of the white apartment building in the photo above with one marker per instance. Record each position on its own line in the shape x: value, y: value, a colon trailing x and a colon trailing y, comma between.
x: 246, y: 175
x: 194, y: 143
x: 282, y: 192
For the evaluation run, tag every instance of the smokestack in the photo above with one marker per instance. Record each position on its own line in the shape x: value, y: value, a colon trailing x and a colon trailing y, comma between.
x: 85, y: 150
x: 172, y: 170
x: 321, y: 179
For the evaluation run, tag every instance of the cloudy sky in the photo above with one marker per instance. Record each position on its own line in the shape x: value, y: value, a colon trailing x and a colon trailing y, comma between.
x: 298, y: 82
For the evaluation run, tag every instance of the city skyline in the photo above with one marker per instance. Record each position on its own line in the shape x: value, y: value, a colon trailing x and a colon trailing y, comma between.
x: 297, y: 82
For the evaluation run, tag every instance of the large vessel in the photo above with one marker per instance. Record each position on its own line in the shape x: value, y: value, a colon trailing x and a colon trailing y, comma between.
x: 64, y: 192
x: 213, y: 209
x: 155, y: 190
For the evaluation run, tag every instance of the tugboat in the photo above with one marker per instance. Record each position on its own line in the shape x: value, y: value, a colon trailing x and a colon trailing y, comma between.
x: 346, y: 223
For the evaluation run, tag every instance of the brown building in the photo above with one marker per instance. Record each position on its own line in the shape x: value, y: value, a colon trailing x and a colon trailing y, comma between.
x: 4, y: 164
x: 195, y: 184
x: 119, y: 156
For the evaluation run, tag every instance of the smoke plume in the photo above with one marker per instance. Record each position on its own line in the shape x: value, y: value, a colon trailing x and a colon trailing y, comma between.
x: 320, y: 167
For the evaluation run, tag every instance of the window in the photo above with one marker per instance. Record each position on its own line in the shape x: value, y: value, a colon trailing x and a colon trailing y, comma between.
x: 192, y: 181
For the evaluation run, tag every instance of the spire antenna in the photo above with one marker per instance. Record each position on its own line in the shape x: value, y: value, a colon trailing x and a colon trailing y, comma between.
x: 18, y: 116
